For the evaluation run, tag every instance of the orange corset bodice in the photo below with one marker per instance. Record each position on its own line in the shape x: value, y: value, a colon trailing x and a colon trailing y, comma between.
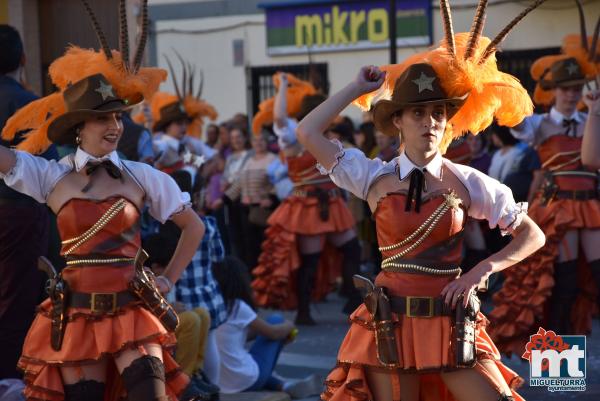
x: 99, y: 241
x: 561, y: 153
x: 434, y: 234
x: 302, y: 170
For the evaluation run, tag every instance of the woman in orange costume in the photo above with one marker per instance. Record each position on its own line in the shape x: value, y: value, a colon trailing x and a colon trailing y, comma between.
x: 554, y: 288
x: 420, y: 202
x: 104, y: 343
x: 295, y: 258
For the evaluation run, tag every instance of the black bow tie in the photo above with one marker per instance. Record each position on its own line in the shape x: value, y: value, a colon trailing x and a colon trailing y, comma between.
x: 92, y: 167
x: 571, y: 125
x: 415, y: 189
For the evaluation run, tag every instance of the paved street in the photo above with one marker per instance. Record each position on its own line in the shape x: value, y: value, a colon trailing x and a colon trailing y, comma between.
x: 315, y: 350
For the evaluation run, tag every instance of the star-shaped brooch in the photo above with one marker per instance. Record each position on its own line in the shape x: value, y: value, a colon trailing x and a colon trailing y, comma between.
x: 105, y: 90
x: 424, y: 82
x: 452, y: 200
x: 572, y: 68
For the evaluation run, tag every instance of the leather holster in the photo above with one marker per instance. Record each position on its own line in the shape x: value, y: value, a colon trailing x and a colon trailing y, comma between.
x: 378, y: 304
x: 463, y: 337
x: 143, y: 285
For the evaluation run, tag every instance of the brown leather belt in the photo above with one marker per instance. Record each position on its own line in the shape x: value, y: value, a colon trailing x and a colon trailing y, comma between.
x: 101, y: 302
x: 420, y: 306
x: 580, y: 195
x: 331, y: 193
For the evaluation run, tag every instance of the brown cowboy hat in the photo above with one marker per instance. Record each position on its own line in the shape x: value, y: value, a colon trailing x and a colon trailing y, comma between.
x: 418, y: 85
x: 171, y: 112
x: 90, y: 97
x: 562, y: 73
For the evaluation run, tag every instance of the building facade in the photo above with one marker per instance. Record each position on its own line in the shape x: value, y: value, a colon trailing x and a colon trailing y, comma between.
x: 238, y: 44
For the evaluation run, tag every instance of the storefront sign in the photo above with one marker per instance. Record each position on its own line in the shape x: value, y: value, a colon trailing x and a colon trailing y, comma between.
x: 321, y: 26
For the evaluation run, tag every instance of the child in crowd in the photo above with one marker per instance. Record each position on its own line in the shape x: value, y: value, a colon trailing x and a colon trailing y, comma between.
x: 252, y: 370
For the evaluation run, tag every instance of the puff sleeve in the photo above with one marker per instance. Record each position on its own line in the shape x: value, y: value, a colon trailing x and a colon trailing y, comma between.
x: 34, y: 176
x: 490, y: 200
x: 353, y: 171
x: 163, y: 195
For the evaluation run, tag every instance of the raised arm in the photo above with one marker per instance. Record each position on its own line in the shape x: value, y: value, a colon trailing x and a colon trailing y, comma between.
x: 280, y: 109
x: 590, y: 148
x: 311, y: 128
x: 7, y: 159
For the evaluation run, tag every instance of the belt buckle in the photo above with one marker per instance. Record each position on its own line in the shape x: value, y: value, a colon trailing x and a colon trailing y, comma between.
x: 409, y: 309
x: 100, y: 302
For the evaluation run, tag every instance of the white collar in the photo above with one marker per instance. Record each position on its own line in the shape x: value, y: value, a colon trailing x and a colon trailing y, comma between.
x: 434, y: 167
x: 558, y: 117
x: 82, y: 158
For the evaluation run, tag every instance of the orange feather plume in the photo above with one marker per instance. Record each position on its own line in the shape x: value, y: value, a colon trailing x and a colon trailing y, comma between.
x: 78, y: 63
x: 75, y: 65
x: 571, y: 46
x: 493, y: 94
x: 35, y: 117
x: 197, y: 110
x: 296, y: 91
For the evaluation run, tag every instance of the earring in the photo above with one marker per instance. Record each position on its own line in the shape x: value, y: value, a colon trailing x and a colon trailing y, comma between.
x: 78, y: 138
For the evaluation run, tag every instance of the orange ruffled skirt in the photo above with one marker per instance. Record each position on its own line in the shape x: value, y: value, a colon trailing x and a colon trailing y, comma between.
x: 424, y: 346
x: 89, y: 338
x: 275, y: 276
x: 520, y: 306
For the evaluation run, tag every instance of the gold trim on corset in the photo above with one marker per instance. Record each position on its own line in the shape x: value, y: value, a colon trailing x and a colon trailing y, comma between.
x: 407, y: 267
x: 78, y: 262
x: 561, y: 154
x: 452, y: 201
x: 101, y: 223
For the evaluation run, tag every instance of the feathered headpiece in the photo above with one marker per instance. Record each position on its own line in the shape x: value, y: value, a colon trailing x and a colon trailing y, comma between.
x: 296, y: 91
x: 196, y: 108
x: 126, y: 77
x: 582, y: 48
x: 187, y: 95
x: 465, y: 64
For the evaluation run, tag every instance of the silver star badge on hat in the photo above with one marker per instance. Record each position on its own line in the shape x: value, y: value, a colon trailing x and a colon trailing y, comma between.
x: 105, y: 90
x: 572, y: 68
x: 424, y: 82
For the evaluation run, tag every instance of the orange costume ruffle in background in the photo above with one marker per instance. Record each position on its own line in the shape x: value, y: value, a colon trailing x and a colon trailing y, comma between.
x: 521, y: 306
x: 464, y: 63
x: 88, y: 336
x: 275, y: 276
x: 275, y: 282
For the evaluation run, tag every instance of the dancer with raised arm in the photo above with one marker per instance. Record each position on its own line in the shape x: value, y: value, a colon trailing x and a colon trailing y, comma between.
x: 556, y: 287
x: 419, y: 334
x: 300, y: 259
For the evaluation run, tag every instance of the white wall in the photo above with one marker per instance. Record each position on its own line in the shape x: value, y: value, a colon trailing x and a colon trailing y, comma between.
x: 225, y: 85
